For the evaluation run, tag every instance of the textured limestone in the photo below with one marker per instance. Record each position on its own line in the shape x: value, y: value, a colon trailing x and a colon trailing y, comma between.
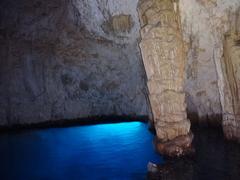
x: 205, y: 27
x: 164, y: 60
x: 117, y: 24
x: 231, y: 69
x: 58, y: 61
x: 204, y: 24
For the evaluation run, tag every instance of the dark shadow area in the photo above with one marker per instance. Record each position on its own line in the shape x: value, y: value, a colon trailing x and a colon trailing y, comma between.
x: 214, y: 121
x: 215, y: 158
x: 74, y: 122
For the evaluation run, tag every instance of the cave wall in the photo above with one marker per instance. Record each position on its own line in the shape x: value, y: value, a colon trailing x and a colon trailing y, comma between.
x: 231, y: 73
x: 205, y: 23
x: 66, y: 59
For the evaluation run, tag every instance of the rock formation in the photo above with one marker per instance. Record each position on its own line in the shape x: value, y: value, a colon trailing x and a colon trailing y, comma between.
x: 164, y: 58
x: 199, y: 20
x: 211, y: 29
x: 231, y: 99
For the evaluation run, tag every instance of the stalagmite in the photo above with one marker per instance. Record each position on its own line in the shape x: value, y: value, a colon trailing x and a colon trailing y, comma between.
x: 164, y: 58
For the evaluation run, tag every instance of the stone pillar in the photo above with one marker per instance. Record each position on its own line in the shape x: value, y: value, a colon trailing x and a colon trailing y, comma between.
x: 164, y: 58
x: 231, y: 90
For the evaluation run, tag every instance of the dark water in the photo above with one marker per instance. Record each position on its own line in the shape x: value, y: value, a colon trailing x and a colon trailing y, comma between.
x: 107, y: 151
x: 215, y: 159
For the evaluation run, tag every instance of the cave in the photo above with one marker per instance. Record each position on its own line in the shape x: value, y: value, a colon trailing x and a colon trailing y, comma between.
x: 106, y: 89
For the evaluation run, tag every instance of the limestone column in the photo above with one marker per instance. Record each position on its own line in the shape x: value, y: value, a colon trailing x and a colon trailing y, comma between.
x: 164, y: 58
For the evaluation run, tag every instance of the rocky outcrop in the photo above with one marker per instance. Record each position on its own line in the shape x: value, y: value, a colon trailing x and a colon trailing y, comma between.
x: 69, y: 59
x: 164, y: 60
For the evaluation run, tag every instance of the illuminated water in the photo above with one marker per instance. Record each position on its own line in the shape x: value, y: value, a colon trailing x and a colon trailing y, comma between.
x: 107, y: 151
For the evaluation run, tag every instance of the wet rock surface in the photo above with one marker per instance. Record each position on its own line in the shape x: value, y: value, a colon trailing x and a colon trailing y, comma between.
x: 180, y: 146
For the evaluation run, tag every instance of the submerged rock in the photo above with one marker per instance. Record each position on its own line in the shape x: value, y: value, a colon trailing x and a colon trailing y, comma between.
x: 179, y: 146
x: 177, y: 169
x: 152, y: 167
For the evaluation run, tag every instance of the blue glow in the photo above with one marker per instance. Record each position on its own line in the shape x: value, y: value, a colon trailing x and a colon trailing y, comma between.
x: 106, y: 151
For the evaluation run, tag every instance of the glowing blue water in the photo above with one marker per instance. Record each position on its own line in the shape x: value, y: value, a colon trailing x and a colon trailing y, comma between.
x: 106, y: 151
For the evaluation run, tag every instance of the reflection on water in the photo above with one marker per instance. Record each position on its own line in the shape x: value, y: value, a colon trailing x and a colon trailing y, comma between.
x: 106, y: 151
x: 215, y: 159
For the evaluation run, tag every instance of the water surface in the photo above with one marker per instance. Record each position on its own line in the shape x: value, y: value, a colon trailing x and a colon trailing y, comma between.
x: 106, y: 151
x: 111, y: 151
x: 215, y: 159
